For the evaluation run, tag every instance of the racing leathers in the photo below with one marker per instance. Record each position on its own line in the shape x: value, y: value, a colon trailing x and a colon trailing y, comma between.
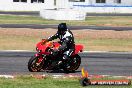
x: 66, y: 41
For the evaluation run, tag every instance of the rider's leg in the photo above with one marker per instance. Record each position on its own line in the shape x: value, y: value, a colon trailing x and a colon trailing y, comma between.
x: 66, y: 57
x: 67, y: 54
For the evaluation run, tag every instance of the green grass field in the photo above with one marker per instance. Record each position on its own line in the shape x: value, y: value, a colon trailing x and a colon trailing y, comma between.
x: 95, y: 20
x: 93, y: 40
x: 26, y: 39
x: 29, y: 82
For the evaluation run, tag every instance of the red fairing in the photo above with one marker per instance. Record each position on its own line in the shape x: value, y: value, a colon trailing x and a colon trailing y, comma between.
x: 36, y: 55
x: 42, y: 47
x: 78, y: 48
x: 55, y: 45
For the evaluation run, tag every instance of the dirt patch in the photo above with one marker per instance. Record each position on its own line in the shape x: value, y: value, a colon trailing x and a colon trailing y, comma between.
x: 26, y: 32
x: 95, y: 34
x: 98, y: 40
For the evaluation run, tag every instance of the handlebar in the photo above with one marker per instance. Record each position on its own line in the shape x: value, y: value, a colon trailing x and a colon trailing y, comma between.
x: 50, y: 45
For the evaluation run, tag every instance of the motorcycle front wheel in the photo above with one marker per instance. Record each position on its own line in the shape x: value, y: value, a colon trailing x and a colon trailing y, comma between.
x: 33, y: 65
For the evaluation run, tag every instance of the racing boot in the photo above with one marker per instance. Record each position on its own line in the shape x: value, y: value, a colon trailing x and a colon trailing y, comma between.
x: 66, y: 61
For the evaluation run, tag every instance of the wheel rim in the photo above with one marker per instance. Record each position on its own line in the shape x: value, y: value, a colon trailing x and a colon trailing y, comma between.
x: 74, y: 64
x: 34, y: 66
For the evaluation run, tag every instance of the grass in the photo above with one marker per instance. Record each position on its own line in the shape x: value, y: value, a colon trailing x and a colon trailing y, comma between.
x: 29, y: 82
x: 94, y: 40
x: 107, y: 44
x: 95, y: 20
x: 25, y: 39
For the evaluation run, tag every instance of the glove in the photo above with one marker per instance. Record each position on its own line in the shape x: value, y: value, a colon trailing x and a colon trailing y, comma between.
x: 44, y: 41
x: 55, y: 52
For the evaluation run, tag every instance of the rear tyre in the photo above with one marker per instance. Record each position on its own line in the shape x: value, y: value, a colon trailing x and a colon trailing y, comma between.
x: 33, y: 66
x: 73, y: 64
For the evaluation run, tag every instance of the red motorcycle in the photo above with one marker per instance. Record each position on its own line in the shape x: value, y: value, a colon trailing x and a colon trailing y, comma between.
x: 45, y: 60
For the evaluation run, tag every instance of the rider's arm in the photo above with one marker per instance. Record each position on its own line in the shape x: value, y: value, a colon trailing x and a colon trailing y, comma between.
x: 53, y: 37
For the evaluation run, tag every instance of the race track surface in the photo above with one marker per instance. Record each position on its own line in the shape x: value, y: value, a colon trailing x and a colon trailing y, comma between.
x: 37, y: 26
x: 96, y: 63
x: 36, y: 13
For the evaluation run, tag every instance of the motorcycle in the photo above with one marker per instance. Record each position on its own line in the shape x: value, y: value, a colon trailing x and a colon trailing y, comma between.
x: 45, y: 60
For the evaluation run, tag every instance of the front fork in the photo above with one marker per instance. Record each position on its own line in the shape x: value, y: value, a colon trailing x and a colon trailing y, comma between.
x: 40, y: 58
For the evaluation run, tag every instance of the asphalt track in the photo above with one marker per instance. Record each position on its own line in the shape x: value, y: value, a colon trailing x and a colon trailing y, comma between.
x: 36, y: 13
x: 97, y: 63
x: 38, y: 26
x: 30, y: 13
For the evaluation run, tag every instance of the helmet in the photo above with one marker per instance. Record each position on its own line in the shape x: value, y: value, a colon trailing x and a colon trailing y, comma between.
x: 62, y: 27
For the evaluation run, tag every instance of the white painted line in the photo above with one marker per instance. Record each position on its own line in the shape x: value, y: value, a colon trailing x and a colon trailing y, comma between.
x: 129, y: 77
x: 71, y: 76
x: 15, y: 51
x: 6, y: 76
x: 57, y: 76
x: 81, y: 52
x: 95, y: 51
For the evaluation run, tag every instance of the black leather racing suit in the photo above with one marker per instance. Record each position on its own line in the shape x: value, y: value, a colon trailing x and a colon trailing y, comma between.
x: 66, y: 41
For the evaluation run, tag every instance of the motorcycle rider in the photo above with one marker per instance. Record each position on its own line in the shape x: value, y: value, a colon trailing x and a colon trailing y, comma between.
x: 66, y: 40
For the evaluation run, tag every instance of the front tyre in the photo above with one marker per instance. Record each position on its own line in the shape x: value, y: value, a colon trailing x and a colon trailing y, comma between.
x: 33, y: 65
x: 73, y: 65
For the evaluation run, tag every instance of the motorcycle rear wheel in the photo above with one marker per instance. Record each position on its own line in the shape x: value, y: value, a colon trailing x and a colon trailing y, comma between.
x: 32, y: 64
x: 73, y: 65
